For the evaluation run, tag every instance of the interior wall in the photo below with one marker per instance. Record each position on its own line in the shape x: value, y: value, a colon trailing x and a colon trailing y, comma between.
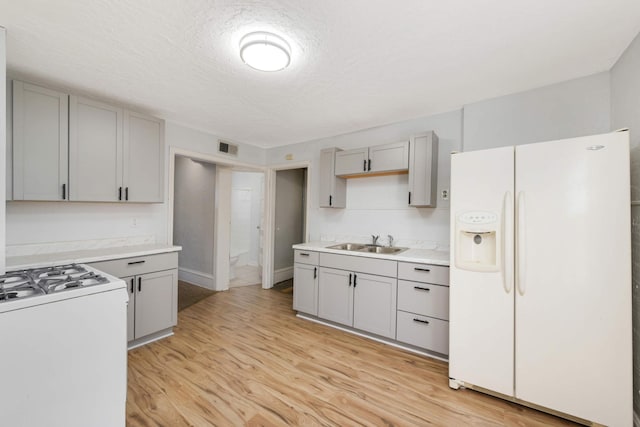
x: 625, y: 112
x: 289, y: 216
x: 193, y: 219
x: 245, y: 225
x: 378, y: 205
x: 569, y: 109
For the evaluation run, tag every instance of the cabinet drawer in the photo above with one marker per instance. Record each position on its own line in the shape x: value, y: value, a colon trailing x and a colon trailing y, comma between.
x: 423, y: 273
x: 306, y: 257
x: 380, y: 267
x: 425, y: 299
x: 138, y: 265
x: 422, y: 331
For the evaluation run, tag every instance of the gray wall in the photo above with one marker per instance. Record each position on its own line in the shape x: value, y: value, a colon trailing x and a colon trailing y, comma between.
x: 193, y: 214
x: 569, y: 109
x: 289, y: 216
x: 625, y: 112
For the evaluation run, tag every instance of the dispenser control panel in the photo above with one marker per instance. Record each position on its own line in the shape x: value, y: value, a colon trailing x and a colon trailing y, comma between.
x: 478, y: 217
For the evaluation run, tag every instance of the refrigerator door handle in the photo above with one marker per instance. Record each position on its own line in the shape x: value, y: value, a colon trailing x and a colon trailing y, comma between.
x: 520, y: 253
x: 507, y: 242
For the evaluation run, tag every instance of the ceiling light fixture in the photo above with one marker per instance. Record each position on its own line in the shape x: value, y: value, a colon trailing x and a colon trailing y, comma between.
x: 265, y: 51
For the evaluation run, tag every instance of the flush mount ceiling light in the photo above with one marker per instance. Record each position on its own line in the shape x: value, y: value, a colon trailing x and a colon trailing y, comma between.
x: 265, y: 51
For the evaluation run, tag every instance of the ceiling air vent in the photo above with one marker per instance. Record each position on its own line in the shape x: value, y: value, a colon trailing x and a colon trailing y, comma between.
x: 227, y: 148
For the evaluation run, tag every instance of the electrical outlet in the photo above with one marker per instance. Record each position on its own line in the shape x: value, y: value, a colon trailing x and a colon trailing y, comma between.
x: 444, y: 195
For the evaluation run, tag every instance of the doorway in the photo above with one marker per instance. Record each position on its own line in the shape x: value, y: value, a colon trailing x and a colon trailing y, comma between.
x: 245, y: 249
x: 290, y: 220
x: 194, y: 197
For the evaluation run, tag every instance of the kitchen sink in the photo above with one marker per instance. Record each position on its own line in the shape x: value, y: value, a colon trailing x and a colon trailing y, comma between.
x: 374, y: 249
x: 383, y: 250
x: 348, y: 246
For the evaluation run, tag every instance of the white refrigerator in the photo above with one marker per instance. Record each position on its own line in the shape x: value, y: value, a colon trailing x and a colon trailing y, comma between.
x: 540, y: 290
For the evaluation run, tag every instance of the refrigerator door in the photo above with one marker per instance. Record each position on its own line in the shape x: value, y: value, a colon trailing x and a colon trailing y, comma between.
x: 573, y: 269
x: 481, y: 272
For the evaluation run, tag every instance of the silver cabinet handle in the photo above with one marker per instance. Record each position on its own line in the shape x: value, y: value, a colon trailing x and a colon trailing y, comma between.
x: 420, y: 288
x: 421, y: 321
x: 303, y: 254
x: 422, y: 269
x: 136, y: 262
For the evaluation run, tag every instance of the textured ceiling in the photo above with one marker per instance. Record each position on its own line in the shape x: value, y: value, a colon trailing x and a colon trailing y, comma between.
x: 356, y: 63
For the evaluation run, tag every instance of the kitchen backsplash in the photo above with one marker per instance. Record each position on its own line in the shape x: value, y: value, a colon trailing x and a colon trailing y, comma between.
x: 79, y: 245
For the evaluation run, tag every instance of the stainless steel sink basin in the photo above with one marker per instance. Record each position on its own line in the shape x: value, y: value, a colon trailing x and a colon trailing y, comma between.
x: 383, y: 250
x: 348, y: 246
x: 357, y: 247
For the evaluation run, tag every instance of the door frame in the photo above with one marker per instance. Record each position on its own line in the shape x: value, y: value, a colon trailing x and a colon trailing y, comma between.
x: 270, y: 215
x: 221, y: 240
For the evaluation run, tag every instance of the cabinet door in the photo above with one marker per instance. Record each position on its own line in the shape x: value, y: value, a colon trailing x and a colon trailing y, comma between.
x: 333, y: 190
x: 143, y: 158
x: 423, y: 170
x: 374, y: 304
x: 389, y: 157
x: 40, y: 143
x: 305, y: 288
x: 95, y: 150
x: 131, y: 311
x: 156, y: 302
x: 351, y: 162
x: 335, y: 296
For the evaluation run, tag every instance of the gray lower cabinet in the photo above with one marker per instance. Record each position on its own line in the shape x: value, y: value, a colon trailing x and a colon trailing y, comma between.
x: 363, y: 301
x: 423, y: 306
x: 404, y: 301
x: 305, y: 282
x: 152, y: 282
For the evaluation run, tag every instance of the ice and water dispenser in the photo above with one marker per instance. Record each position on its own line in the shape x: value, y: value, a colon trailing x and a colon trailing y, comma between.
x: 476, y: 245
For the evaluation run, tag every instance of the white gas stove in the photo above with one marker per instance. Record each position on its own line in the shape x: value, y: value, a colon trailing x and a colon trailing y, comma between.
x: 66, y: 326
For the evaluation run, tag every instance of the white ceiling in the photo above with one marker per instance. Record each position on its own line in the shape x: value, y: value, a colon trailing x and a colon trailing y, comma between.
x: 356, y: 63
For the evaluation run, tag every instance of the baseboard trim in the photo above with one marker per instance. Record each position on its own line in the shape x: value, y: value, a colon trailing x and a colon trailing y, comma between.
x: 282, y: 274
x: 196, y: 277
x: 636, y: 419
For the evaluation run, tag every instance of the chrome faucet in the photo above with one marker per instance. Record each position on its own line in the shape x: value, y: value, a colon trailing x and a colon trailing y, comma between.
x: 390, y: 240
x: 375, y: 240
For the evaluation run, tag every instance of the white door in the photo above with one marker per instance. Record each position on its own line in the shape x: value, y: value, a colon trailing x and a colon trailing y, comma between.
x: 573, y: 324
x: 481, y: 302
x: 95, y: 151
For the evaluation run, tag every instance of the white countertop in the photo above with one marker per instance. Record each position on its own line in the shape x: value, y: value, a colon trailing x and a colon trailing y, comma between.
x: 426, y: 256
x: 86, y: 256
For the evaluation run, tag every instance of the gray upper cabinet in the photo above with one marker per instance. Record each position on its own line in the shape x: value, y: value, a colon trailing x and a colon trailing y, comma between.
x: 333, y: 190
x: 369, y: 160
x: 143, y: 156
x: 115, y: 154
x: 423, y: 169
x: 40, y: 143
x: 95, y: 150
x: 352, y: 162
x: 389, y: 157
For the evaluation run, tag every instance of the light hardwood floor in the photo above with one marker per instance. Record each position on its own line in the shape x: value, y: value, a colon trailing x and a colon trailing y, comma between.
x: 242, y: 358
